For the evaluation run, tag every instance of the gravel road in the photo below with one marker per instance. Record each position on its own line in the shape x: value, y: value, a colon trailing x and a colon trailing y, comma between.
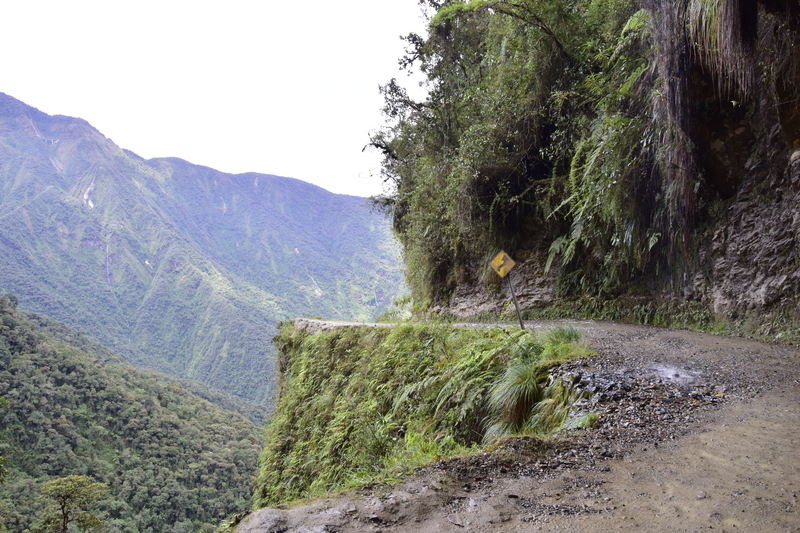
x: 697, y: 432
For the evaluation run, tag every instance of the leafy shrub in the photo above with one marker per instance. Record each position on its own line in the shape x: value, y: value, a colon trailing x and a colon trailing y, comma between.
x: 522, y: 399
x: 564, y: 335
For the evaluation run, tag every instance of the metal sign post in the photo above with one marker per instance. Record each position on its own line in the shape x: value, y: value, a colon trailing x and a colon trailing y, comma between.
x: 502, y: 264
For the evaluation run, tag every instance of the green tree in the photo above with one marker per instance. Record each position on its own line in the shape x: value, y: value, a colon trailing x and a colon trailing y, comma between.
x: 171, y: 460
x: 3, y: 460
x: 483, y: 162
x: 68, y: 499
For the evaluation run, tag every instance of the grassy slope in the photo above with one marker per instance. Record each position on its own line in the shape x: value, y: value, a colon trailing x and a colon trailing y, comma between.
x: 320, y: 251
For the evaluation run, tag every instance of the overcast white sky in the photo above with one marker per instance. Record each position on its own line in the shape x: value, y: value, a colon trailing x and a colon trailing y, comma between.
x: 287, y: 88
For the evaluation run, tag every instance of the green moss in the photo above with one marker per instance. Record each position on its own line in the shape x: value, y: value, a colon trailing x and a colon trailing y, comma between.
x: 586, y: 420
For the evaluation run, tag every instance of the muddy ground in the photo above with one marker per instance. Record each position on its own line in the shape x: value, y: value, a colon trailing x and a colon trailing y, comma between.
x: 697, y: 432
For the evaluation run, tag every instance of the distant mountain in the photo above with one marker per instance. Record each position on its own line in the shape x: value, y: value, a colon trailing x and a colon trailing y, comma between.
x: 173, y: 462
x: 176, y: 266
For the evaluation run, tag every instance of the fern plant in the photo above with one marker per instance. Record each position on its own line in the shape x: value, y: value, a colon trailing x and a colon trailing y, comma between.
x: 522, y: 399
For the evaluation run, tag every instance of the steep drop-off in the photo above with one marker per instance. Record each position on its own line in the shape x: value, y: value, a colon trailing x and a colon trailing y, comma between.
x: 361, y: 403
x: 696, y: 432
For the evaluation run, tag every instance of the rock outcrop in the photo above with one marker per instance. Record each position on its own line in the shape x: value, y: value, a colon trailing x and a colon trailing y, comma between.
x: 754, y: 261
x: 747, y: 264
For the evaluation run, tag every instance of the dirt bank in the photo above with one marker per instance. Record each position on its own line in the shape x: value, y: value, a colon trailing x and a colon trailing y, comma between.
x: 697, y: 432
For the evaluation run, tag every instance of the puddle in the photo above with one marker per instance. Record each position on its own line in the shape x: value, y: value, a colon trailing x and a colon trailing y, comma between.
x: 675, y: 374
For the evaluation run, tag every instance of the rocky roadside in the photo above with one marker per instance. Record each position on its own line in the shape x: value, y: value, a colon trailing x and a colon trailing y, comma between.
x: 696, y: 431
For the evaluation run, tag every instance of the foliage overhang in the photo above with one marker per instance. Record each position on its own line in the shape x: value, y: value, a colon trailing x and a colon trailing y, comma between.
x: 579, y: 126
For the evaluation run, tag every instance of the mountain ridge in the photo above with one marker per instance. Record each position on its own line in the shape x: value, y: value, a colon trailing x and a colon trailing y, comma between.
x: 177, y: 266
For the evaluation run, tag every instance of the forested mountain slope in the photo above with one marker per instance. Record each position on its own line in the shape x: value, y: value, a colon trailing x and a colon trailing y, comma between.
x: 175, y: 266
x: 639, y: 158
x: 173, y: 462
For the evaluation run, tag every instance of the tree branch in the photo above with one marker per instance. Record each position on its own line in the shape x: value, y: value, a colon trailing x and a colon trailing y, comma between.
x: 528, y: 16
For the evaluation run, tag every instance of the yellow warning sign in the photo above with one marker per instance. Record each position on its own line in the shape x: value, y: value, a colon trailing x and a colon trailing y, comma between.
x: 502, y: 264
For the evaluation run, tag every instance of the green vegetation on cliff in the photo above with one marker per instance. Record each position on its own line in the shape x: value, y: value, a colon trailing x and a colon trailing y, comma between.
x: 172, y: 461
x: 359, y: 403
x: 602, y: 136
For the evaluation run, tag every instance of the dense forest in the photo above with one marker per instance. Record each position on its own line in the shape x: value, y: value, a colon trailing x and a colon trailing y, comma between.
x: 607, y: 142
x: 172, y: 461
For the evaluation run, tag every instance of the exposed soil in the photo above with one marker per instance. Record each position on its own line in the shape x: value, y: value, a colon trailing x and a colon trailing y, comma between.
x: 697, y: 432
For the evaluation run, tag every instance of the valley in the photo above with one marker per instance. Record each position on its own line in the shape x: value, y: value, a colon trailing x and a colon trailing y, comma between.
x: 109, y: 261
x: 174, y: 266
x: 171, y: 460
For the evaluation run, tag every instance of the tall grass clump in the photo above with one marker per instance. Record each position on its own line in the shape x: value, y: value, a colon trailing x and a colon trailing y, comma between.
x: 523, y: 399
x: 366, y: 404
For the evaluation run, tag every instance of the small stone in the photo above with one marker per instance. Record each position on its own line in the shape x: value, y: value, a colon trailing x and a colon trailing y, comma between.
x: 454, y: 519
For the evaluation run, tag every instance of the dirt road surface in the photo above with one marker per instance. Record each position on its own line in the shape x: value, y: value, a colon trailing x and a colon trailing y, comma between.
x: 697, y: 432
